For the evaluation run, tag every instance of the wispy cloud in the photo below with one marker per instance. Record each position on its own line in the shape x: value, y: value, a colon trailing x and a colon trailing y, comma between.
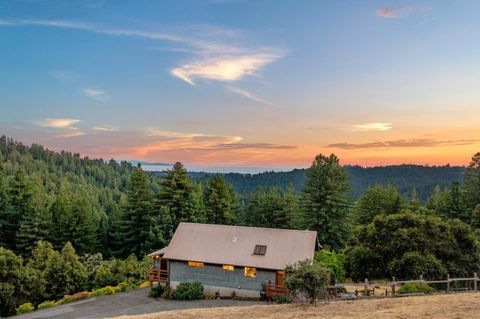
x: 248, y: 95
x: 57, y: 123
x: 409, y: 143
x: 228, y: 69
x: 104, y: 129
x: 392, y: 13
x: 95, y: 94
x: 376, y: 126
x: 213, y: 59
x: 68, y: 134
x: 265, y: 146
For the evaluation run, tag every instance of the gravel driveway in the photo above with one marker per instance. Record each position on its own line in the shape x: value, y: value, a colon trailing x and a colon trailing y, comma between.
x: 134, y: 302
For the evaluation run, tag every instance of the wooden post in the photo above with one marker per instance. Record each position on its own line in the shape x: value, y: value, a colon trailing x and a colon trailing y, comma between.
x: 393, y: 287
x: 366, y: 287
x: 448, y: 283
x: 475, y: 279
x: 421, y: 281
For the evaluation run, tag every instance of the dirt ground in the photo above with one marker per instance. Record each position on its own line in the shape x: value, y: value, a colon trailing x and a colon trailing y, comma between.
x: 452, y: 306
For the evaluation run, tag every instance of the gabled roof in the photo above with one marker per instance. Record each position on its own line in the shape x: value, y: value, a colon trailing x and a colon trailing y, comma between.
x: 158, y: 252
x: 234, y: 245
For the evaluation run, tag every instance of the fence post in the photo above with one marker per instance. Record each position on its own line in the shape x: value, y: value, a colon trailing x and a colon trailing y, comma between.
x: 393, y: 287
x: 475, y: 279
x: 448, y: 283
x: 421, y: 281
x: 366, y: 287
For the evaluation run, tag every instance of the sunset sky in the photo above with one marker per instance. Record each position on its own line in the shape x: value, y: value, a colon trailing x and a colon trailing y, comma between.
x: 241, y: 85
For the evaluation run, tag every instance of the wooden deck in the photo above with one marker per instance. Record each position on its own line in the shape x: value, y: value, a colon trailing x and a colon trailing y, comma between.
x: 273, y: 291
x: 158, y: 275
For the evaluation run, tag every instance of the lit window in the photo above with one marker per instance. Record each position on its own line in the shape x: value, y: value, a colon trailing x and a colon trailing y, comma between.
x: 250, y: 272
x: 228, y: 267
x: 195, y: 264
x: 260, y: 250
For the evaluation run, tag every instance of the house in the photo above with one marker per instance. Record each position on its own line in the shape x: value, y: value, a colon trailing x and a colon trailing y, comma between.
x: 231, y: 259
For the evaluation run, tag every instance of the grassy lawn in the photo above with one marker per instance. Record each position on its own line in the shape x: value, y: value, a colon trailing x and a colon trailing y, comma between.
x: 454, y: 306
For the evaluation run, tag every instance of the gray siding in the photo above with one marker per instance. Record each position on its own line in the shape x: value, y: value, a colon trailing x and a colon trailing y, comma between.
x: 215, y: 275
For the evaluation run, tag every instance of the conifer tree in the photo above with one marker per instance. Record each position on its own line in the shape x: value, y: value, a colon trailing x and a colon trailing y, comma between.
x: 325, y: 202
x: 220, y: 201
x: 174, y: 194
x: 19, y: 193
x: 33, y: 227
x: 135, y: 221
x: 471, y: 182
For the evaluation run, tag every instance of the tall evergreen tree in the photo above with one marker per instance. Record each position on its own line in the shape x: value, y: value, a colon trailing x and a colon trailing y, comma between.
x: 456, y: 207
x: 272, y: 208
x: 178, y: 200
x: 34, y: 226
x: 220, y: 201
x: 20, y: 194
x: 471, y: 183
x: 325, y: 201
x: 134, y: 227
x: 4, y: 200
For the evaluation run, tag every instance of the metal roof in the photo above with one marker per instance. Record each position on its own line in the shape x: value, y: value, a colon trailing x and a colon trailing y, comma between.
x: 234, y: 245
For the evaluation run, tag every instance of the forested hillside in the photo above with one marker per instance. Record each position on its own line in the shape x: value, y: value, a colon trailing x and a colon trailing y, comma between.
x: 404, y: 177
x: 69, y: 224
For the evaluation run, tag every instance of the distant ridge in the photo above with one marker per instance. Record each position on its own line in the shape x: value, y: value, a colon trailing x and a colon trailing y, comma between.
x: 404, y: 177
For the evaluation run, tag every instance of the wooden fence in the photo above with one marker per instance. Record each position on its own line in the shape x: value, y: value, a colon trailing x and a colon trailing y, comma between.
x: 367, y: 289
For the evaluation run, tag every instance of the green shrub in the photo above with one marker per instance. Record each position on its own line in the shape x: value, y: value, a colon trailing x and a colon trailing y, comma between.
x: 46, y: 304
x: 283, y: 299
x: 156, y: 291
x: 308, y: 279
x: 335, y: 261
x: 413, y: 264
x: 188, y: 291
x: 25, y: 308
x: 123, y: 286
x: 108, y: 290
x: 415, y: 287
x: 168, y: 293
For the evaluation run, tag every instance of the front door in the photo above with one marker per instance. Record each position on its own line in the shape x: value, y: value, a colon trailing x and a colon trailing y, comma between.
x: 280, y: 278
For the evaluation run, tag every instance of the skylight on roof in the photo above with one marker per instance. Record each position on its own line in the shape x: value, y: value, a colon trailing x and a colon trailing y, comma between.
x: 260, y: 250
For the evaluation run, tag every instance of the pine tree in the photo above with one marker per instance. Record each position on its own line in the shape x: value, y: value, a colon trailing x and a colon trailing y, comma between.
x: 456, y: 207
x: 471, y: 182
x: 272, y: 208
x: 61, y: 228
x: 84, y: 230
x: 20, y: 194
x: 4, y: 200
x: 220, y: 201
x: 34, y: 226
x: 135, y: 221
x: 174, y: 194
x: 414, y: 203
x: 325, y: 202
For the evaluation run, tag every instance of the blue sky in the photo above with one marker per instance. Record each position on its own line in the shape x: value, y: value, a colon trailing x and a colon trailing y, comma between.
x: 219, y: 83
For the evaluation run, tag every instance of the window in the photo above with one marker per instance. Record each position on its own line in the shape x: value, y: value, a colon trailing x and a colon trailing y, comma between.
x: 260, y: 250
x: 228, y: 267
x: 195, y: 264
x: 250, y: 272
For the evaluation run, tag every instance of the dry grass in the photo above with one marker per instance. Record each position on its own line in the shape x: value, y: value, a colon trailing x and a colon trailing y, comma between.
x: 454, y: 306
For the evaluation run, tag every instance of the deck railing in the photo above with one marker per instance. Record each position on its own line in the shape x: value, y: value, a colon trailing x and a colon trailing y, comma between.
x: 272, y: 291
x: 158, y: 275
